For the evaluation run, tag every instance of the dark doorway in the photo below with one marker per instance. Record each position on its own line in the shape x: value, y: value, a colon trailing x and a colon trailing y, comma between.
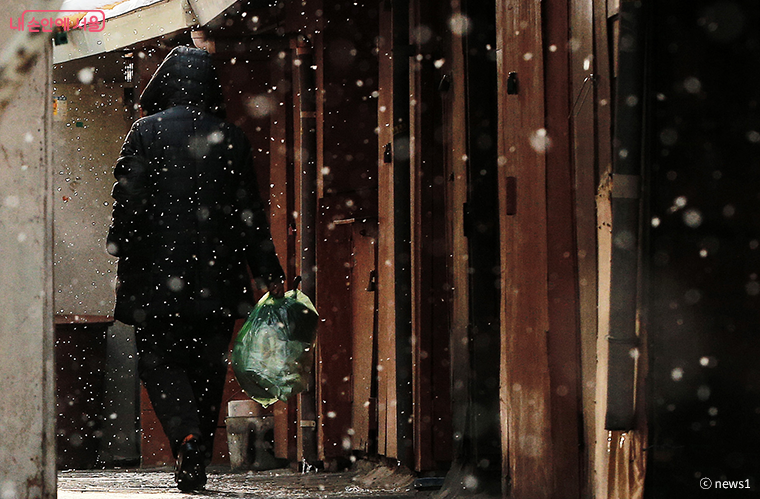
x: 482, y: 446
x: 705, y: 248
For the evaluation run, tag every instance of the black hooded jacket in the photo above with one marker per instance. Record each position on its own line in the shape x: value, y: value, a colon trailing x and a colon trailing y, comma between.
x: 187, y: 217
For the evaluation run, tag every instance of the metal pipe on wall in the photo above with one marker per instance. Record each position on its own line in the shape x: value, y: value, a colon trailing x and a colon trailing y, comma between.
x: 626, y: 206
x: 308, y: 222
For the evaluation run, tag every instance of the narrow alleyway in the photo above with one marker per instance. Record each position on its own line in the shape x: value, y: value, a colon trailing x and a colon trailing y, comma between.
x: 364, y: 481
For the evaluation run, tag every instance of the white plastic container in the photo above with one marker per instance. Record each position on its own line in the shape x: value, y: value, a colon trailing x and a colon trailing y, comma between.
x: 250, y: 436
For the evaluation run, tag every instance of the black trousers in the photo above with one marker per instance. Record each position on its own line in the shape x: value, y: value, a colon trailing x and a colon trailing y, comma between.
x: 182, y: 364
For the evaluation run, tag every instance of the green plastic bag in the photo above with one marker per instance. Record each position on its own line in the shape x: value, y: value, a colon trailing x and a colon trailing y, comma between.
x: 272, y: 354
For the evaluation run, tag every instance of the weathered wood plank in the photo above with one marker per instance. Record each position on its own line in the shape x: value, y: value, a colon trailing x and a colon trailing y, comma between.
x: 595, y: 357
x: 563, y: 101
x: 334, y: 355
x: 363, y: 305
x: 387, y: 433
x: 525, y: 383
x: 456, y: 192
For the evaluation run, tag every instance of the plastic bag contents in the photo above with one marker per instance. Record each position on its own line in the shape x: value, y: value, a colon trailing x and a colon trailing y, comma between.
x: 272, y: 354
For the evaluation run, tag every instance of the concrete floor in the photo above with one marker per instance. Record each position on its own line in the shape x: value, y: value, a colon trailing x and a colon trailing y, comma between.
x: 366, y: 481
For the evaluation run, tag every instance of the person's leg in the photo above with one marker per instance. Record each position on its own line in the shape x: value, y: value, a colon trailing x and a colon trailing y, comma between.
x: 162, y: 369
x: 168, y: 352
x: 209, y: 374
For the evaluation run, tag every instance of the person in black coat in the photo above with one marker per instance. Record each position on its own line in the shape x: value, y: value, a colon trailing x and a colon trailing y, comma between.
x: 190, y: 230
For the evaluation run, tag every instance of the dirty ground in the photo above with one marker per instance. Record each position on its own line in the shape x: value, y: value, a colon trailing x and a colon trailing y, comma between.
x: 365, y: 481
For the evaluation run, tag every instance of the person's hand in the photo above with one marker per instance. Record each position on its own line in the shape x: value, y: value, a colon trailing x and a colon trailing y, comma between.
x: 276, y: 289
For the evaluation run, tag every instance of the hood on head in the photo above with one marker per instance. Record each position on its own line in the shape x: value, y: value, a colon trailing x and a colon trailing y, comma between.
x: 185, y: 77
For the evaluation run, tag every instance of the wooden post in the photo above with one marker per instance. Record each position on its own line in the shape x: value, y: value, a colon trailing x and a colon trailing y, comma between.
x: 363, y: 325
x: 387, y: 442
x: 456, y: 195
x: 563, y: 103
x: 595, y: 349
x: 430, y: 304
x: 280, y: 208
x: 525, y: 384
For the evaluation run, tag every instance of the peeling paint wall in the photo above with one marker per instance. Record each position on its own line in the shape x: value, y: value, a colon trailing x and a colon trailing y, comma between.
x: 87, y: 138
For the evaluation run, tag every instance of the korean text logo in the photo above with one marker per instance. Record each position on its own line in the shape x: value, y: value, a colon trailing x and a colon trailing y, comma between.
x: 36, y: 21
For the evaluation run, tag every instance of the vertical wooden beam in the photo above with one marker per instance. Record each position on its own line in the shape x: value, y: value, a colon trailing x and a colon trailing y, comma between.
x: 278, y: 166
x: 430, y: 307
x: 286, y: 414
x: 279, y: 202
x: 318, y: 40
x: 564, y: 331
x: 402, y: 228
x: 296, y: 412
x: 281, y: 427
x: 595, y: 356
x: 306, y: 119
x: 308, y: 408
x: 626, y: 332
x: 420, y: 320
x: 455, y: 121
x: 297, y: 159
x: 525, y: 384
x: 387, y: 441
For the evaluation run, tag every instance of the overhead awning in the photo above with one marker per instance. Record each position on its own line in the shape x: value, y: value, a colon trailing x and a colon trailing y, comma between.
x: 128, y: 22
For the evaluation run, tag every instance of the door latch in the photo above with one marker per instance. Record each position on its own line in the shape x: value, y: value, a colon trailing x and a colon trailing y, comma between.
x: 512, y: 83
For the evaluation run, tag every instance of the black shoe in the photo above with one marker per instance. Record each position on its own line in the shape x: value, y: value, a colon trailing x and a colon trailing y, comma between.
x: 191, y: 470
